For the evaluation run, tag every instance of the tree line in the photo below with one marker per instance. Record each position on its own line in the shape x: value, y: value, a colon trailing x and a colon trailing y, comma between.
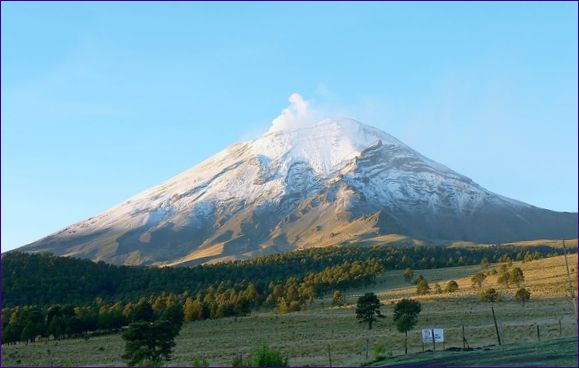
x: 46, y: 296
x: 43, y: 279
x: 226, y: 299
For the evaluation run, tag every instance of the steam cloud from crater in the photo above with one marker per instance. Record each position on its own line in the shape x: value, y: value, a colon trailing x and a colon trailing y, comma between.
x: 298, y: 114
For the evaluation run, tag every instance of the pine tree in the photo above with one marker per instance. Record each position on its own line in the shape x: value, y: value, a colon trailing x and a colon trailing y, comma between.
x: 422, y: 287
x: 148, y: 343
x: 405, y: 317
x: 368, y: 309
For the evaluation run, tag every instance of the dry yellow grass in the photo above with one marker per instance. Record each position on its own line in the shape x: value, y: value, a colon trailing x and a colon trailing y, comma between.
x: 306, y: 335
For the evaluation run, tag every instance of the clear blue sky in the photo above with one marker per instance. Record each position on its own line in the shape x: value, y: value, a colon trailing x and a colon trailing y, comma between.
x: 103, y: 100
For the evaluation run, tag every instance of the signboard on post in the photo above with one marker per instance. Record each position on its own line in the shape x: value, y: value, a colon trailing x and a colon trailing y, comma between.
x: 438, y: 335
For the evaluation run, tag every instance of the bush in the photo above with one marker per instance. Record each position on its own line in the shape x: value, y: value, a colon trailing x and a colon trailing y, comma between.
x: 200, y: 362
x: 451, y: 286
x: 379, y: 352
x: 266, y: 357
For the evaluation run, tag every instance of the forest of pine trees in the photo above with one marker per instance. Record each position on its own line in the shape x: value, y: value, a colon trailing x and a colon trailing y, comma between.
x: 46, y: 296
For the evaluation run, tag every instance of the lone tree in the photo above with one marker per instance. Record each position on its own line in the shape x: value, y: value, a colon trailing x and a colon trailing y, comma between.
x: 517, y: 276
x: 478, y: 279
x: 451, y: 286
x: 489, y: 295
x: 504, y: 279
x: 405, y: 317
x: 338, y: 298
x: 368, y: 309
x: 422, y: 287
x: 149, y: 343
x: 418, y: 278
x: 484, y: 263
x: 522, y: 296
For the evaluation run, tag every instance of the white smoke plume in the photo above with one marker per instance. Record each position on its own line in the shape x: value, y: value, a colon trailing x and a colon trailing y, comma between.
x: 297, y: 115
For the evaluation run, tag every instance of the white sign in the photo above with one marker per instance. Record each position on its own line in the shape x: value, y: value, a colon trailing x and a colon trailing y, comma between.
x: 438, y: 335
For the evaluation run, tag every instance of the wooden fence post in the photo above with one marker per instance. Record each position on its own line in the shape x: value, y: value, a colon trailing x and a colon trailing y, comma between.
x: 433, y: 341
x: 329, y: 355
x: 496, y: 326
x: 367, y: 343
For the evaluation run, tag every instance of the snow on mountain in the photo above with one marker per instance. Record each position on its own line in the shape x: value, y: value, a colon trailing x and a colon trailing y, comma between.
x: 322, y: 183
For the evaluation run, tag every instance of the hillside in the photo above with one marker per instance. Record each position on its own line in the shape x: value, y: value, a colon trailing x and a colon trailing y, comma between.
x: 42, y: 279
x: 306, y: 335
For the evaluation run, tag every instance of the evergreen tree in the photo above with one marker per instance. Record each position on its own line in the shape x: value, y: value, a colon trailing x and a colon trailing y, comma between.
x: 478, y: 279
x: 368, y: 309
x: 422, y: 288
x: 149, y: 343
x: 522, y: 296
x: 405, y: 317
x: 143, y: 312
x: 517, y: 276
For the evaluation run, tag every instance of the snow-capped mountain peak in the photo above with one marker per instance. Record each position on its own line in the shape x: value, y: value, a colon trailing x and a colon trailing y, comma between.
x: 306, y: 182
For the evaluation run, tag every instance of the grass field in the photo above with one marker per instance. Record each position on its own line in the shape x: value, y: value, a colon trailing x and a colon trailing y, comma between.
x: 558, y: 352
x: 306, y: 336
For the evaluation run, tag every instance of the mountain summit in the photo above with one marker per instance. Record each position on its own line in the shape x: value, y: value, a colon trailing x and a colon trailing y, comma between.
x: 320, y: 184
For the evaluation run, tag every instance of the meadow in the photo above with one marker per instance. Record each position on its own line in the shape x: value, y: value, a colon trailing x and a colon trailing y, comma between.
x: 322, y: 332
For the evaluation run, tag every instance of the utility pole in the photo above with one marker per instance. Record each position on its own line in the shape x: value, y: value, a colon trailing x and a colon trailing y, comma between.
x: 570, y: 285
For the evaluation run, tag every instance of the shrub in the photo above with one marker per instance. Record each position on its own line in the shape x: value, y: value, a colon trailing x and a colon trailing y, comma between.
x: 200, y: 362
x: 379, y: 352
x: 451, y: 286
x: 267, y: 357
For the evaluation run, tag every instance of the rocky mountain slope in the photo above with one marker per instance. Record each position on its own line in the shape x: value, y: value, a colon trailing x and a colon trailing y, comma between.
x: 323, y: 184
